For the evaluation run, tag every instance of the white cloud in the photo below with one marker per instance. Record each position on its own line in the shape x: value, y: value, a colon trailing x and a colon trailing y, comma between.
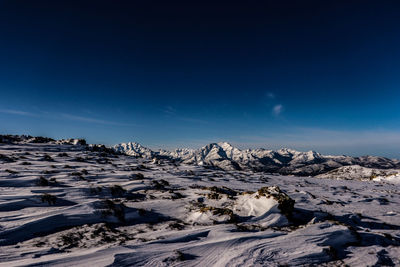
x: 169, y: 110
x: 270, y: 95
x: 16, y: 112
x: 48, y: 115
x: 92, y: 120
x: 277, y: 109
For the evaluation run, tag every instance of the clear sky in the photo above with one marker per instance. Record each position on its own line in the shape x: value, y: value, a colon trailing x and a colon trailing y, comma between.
x: 321, y: 75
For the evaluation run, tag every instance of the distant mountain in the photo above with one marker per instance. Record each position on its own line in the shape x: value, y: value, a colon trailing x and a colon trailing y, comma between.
x: 227, y: 157
x: 134, y: 149
x: 356, y: 172
x: 284, y: 161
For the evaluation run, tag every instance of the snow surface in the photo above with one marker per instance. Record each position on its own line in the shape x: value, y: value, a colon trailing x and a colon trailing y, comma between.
x: 118, y: 210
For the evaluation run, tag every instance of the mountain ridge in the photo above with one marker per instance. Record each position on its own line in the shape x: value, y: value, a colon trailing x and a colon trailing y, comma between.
x: 227, y: 157
x: 284, y: 161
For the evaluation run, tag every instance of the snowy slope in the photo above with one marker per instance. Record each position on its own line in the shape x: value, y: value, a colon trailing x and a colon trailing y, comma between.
x: 78, y: 205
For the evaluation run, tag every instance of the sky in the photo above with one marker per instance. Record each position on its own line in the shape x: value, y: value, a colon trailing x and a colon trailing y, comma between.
x: 308, y: 75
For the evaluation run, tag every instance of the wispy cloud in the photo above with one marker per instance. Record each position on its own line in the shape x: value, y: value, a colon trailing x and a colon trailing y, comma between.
x: 49, y: 115
x: 169, y: 110
x: 277, y: 109
x: 17, y: 112
x: 93, y: 120
x: 172, y: 113
x: 270, y: 95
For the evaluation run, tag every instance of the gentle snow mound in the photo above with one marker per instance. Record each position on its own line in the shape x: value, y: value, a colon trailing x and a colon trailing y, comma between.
x: 269, y: 206
x: 253, y: 205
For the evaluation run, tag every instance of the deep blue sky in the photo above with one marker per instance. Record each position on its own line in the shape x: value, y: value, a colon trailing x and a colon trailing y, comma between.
x: 322, y: 75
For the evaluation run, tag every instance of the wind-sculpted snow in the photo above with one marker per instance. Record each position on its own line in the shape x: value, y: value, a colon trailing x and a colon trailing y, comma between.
x: 284, y: 161
x: 66, y: 203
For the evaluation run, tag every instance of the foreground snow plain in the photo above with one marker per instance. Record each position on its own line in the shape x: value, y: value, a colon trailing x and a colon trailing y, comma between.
x: 64, y: 205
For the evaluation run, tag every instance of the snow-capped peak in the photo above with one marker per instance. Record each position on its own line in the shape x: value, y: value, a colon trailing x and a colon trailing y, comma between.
x: 133, y: 149
x: 286, y: 161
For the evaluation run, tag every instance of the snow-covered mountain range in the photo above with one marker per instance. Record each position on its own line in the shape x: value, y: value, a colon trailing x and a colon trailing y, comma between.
x: 284, y: 161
